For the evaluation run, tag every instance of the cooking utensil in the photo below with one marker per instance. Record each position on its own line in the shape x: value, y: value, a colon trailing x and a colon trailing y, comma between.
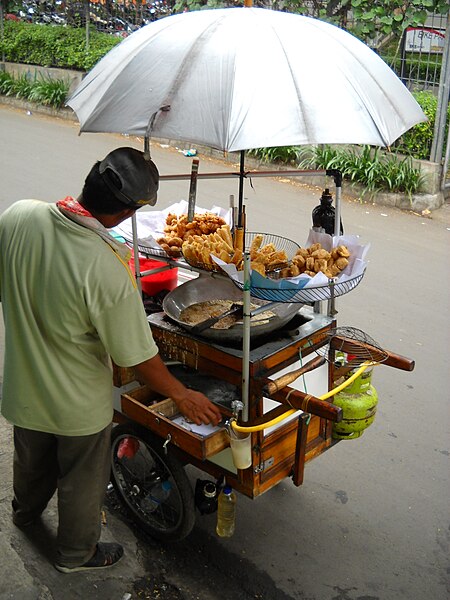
x: 213, y: 287
x: 357, y: 348
x: 235, y: 309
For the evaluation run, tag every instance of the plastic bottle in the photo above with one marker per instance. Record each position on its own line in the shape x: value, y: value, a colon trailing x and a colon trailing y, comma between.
x: 226, y: 512
x: 324, y: 215
x: 156, y: 496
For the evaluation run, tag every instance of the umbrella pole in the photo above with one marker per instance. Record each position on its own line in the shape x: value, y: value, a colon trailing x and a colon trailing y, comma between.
x: 246, y: 338
x: 241, y: 188
x: 337, y: 219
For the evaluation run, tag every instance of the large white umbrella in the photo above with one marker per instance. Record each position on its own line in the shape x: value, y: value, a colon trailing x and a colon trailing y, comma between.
x: 241, y: 78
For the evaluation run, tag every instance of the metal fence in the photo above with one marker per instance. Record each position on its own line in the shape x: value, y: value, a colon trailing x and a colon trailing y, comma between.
x: 420, y: 54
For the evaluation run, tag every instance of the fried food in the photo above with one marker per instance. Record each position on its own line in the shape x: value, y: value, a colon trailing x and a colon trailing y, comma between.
x: 258, y: 267
x: 197, y: 250
x: 177, y: 230
x: 316, y: 259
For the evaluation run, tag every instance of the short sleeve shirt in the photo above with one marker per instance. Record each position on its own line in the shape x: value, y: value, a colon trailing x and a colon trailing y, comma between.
x: 70, y: 304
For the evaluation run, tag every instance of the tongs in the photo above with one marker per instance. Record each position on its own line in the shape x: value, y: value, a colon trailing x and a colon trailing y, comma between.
x: 235, y: 309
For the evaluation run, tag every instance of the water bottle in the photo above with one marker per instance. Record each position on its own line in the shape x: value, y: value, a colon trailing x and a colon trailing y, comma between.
x: 323, y: 215
x: 156, y: 496
x: 226, y: 512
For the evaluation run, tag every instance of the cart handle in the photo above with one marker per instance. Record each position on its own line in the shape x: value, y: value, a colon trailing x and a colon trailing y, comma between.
x: 333, y: 392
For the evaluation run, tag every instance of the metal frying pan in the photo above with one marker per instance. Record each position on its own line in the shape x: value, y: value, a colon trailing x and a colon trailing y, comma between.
x: 210, y: 287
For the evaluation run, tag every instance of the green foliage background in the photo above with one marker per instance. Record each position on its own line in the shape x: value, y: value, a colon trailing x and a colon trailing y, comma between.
x: 63, y: 47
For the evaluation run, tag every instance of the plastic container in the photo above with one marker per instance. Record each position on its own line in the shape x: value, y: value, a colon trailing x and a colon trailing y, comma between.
x: 226, y: 512
x: 152, y: 284
x: 241, y: 449
x: 159, y: 492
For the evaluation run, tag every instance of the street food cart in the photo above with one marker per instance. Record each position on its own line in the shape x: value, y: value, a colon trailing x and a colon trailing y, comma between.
x: 272, y: 424
x: 285, y: 80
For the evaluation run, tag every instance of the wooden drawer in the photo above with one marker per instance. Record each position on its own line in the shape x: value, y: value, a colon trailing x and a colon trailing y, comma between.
x: 141, y: 406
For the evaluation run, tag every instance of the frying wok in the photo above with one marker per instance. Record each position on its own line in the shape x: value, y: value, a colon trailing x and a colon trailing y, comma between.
x: 210, y: 287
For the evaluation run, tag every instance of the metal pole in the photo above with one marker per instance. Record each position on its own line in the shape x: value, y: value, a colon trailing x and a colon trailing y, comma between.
x: 2, y: 32
x: 446, y: 163
x: 337, y: 219
x: 246, y: 338
x: 442, y: 103
x: 137, y: 267
x: 87, y: 18
x: 241, y: 187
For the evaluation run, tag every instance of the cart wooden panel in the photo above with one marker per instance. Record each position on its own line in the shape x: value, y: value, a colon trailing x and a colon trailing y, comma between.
x: 275, y: 456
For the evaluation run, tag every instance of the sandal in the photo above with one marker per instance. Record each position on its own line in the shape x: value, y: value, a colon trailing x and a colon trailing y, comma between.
x: 106, y: 555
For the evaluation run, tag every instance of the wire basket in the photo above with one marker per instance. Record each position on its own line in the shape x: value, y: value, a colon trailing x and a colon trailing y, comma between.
x: 152, y: 251
x: 355, y: 346
x: 305, y: 295
x: 280, y: 243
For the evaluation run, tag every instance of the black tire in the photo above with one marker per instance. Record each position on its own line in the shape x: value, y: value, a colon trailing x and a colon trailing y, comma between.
x: 133, y: 478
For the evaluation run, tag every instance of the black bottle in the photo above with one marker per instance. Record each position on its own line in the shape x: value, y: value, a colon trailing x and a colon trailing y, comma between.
x: 323, y: 215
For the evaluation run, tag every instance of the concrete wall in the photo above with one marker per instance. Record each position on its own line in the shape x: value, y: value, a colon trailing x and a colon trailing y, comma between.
x: 18, y: 69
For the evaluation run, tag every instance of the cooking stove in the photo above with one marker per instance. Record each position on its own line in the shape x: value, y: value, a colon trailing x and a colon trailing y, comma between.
x: 303, y: 328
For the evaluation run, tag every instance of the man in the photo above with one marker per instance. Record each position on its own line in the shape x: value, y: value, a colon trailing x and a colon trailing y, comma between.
x: 70, y: 302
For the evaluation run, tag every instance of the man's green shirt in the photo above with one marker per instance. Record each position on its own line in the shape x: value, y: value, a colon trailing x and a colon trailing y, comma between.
x: 69, y: 304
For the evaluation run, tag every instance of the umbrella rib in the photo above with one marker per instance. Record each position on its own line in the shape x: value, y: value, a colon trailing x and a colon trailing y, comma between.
x: 186, y: 66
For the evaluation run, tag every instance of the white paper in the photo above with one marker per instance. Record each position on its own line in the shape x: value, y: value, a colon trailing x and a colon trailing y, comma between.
x: 356, y: 265
x: 150, y: 224
x: 203, y: 430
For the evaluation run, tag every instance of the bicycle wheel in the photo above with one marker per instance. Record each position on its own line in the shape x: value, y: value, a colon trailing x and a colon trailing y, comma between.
x: 146, y: 468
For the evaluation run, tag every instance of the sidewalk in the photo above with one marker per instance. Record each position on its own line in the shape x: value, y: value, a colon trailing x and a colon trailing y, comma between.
x: 27, y: 554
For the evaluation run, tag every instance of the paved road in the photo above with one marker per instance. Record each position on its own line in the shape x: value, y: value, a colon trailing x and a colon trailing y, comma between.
x: 371, y: 521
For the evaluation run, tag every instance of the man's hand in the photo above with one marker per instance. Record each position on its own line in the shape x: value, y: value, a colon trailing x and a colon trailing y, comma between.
x: 196, y: 407
x: 193, y: 405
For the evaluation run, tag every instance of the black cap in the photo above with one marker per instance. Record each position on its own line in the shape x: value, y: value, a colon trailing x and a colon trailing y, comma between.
x: 132, y: 178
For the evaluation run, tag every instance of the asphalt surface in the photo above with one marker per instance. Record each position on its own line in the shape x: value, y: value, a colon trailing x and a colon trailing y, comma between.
x: 371, y: 521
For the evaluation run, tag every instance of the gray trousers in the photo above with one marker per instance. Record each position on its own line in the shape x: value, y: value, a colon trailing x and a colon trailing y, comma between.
x: 78, y: 469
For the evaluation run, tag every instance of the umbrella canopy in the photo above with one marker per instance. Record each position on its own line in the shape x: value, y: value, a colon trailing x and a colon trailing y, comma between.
x: 242, y: 78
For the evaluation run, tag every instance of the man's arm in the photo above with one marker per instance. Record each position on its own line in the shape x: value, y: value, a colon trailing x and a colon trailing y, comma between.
x: 194, y: 405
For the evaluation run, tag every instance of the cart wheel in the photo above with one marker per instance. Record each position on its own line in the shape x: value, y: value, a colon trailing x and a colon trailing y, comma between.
x: 140, y: 477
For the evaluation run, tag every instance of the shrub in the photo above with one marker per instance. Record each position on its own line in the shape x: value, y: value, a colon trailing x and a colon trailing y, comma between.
x: 370, y: 167
x: 41, y: 89
x: 63, y: 47
x: 417, y: 141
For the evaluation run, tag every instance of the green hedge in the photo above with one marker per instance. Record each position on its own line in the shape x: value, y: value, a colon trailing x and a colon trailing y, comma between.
x: 418, y: 140
x: 47, y: 46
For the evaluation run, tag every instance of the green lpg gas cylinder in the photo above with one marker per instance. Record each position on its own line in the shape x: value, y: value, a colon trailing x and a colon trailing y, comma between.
x: 359, y: 404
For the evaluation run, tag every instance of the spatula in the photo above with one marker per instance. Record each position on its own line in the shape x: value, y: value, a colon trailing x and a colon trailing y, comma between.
x: 235, y: 309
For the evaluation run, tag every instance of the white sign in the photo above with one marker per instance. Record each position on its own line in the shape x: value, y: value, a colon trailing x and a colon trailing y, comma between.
x: 425, y: 39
